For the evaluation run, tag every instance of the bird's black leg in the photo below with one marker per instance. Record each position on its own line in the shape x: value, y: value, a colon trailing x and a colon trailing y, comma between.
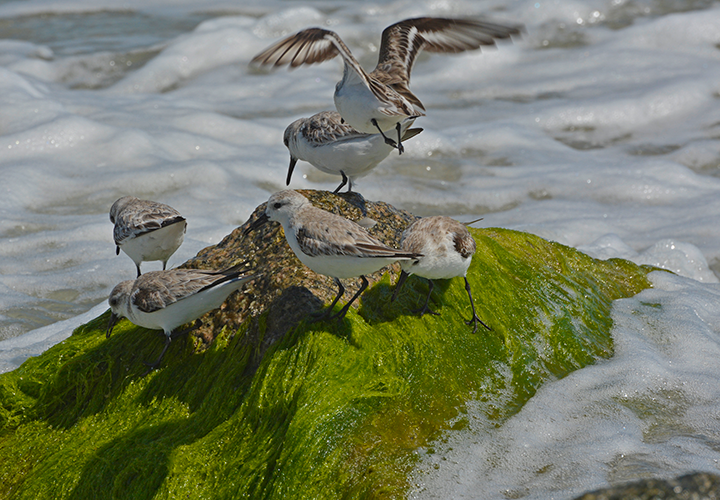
x: 399, y: 284
x: 425, y: 309
x: 325, y: 314
x: 154, y: 365
x: 388, y: 141
x: 341, y: 314
x: 168, y: 338
x: 475, y: 319
x: 344, y: 181
x: 400, y: 147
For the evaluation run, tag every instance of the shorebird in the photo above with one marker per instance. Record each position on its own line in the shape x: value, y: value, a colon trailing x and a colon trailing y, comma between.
x: 328, y: 244
x: 165, y: 300
x: 146, y: 230
x: 334, y: 147
x: 447, y: 249
x: 379, y: 101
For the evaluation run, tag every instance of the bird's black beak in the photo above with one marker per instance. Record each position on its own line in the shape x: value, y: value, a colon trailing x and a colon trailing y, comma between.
x: 293, y: 161
x: 114, y: 318
x: 262, y: 219
x: 117, y: 250
x: 401, y: 280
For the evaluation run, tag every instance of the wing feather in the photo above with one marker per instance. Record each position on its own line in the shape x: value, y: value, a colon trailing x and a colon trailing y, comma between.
x: 158, y: 289
x: 403, y: 41
x: 464, y: 243
x: 328, y: 126
x: 342, y: 237
x: 309, y: 46
x: 143, y: 217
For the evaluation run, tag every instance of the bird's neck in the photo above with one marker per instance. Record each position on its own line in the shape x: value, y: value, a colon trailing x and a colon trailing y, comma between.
x: 353, y: 74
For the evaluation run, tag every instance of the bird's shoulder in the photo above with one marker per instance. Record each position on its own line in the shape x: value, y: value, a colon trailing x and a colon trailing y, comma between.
x: 330, y: 234
x: 158, y: 289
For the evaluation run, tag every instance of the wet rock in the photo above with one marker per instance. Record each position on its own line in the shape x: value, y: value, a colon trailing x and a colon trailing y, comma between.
x: 698, y: 486
x: 288, y: 290
x: 262, y: 404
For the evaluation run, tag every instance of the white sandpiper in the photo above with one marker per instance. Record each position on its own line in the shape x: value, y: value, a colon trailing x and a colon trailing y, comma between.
x: 328, y: 244
x: 381, y: 100
x: 146, y: 230
x: 447, y: 249
x: 329, y: 144
x: 165, y: 300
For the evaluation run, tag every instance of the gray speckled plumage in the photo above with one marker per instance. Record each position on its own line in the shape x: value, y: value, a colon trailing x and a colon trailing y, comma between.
x: 143, y: 217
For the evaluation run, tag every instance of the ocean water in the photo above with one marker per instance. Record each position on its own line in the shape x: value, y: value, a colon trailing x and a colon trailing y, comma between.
x: 599, y: 128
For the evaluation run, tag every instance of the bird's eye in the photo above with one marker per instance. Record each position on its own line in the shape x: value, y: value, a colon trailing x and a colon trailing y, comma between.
x: 277, y: 205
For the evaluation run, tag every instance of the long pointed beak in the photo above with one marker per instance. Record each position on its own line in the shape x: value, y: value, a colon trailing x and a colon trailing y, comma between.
x: 114, y: 318
x: 293, y: 161
x: 117, y: 250
x: 262, y: 219
x: 472, y: 221
x: 401, y: 280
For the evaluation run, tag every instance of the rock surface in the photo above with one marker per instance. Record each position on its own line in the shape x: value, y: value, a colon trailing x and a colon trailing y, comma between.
x: 261, y: 404
x: 288, y: 290
x: 698, y: 486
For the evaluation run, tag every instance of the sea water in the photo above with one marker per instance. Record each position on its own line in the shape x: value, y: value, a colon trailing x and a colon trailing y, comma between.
x: 599, y: 128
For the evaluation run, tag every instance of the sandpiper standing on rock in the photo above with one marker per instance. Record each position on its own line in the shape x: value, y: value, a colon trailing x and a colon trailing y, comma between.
x: 165, y: 300
x: 328, y: 244
x: 447, y: 249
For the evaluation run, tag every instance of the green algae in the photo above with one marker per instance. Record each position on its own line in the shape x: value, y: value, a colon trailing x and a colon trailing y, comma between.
x: 329, y: 411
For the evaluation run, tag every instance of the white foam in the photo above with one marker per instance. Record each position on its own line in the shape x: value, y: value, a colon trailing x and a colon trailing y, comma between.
x: 213, y: 43
x: 650, y: 410
x: 598, y: 129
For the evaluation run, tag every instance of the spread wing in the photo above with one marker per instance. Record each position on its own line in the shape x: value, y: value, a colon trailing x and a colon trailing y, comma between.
x: 403, y: 41
x: 309, y: 46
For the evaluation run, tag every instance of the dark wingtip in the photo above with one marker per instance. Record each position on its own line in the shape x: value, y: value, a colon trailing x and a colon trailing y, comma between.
x: 174, y: 220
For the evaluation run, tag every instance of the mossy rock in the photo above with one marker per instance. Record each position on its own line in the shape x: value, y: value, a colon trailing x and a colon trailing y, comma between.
x: 260, y: 403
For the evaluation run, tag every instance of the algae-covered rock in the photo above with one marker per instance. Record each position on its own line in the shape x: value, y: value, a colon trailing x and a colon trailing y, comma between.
x: 260, y: 403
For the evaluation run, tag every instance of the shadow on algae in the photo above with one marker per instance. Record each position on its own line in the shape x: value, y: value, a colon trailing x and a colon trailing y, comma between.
x: 331, y: 411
